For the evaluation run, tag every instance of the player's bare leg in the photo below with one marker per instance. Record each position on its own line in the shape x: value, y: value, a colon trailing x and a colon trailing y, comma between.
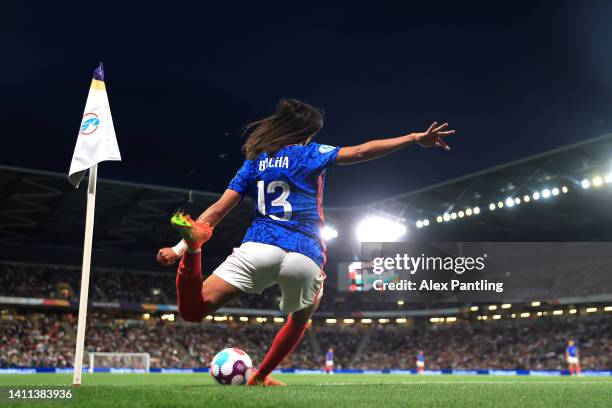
x: 195, y: 298
x: 285, y: 341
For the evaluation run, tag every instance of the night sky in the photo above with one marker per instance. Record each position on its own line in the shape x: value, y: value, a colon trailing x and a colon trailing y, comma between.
x: 513, y: 78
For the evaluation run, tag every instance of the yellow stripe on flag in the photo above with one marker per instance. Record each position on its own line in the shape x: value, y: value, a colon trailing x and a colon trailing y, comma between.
x: 98, y: 85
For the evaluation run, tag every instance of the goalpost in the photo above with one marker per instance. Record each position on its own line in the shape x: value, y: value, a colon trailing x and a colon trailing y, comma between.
x: 133, y: 362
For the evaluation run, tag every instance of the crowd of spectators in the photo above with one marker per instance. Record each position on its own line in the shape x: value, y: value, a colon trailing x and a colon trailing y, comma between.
x: 47, y: 340
x: 36, y: 339
x: 533, y: 344
x: 107, y: 286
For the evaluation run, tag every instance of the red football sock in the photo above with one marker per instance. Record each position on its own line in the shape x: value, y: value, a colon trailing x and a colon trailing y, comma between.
x: 284, y: 343
x: 191, y: 303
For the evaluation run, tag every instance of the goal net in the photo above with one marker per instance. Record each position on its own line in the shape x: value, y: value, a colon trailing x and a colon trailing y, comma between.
x: 120, y: 362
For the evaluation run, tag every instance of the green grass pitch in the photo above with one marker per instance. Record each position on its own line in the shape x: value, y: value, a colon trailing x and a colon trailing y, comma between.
x: 198, y: 390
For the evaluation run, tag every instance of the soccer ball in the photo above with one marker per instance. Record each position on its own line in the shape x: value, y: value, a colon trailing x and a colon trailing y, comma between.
x: 231, y: 366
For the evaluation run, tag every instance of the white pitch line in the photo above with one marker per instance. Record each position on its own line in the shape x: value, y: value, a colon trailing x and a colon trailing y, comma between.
x: 466, y: 382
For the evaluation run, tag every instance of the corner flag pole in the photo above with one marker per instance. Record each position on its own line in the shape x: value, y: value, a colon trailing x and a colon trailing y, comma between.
x: 96, y: 142
x: 89, y: 224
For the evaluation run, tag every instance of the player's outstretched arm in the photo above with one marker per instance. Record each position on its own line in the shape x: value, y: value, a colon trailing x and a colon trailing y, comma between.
x: 212, y: 215
x: 374, y: 149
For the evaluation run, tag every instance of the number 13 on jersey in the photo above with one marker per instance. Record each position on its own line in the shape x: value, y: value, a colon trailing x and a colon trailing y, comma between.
x: 280, y: 201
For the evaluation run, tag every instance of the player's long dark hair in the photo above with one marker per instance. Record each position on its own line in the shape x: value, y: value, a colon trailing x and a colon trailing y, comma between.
x: 293, y: 122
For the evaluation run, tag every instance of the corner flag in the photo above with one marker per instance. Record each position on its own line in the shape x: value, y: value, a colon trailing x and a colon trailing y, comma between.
x: 96, y: 141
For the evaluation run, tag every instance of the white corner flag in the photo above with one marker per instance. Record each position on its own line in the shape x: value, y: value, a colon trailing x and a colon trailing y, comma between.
x: 96, y: 142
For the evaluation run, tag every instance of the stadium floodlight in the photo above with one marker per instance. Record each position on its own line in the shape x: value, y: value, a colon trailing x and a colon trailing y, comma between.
x: 446, y: 217
x: 591, y: 309
x: 434, y: 319
x: 492, y: 207
x: 585, y: 184
x: 535, y: 303
x: 555, y: 191
x: 401, y: 320
x: 330, y: 321
x: 500, y: 204
x: 492, y: 307
x: 425, y: 222
x: 597, y: 181
x: 461, y: 214
x: 513, y: 315
x: 564, y: 189
x: 380, y: 229
x: 366, y: 321
x: 608, y: 308
x: 451, y: 319
x: 146, y: 316
x: 509, y: 202
x: 348, y: 321
x: 279, y: 320
x: 525, y: 314
x: 526, y: 198
x: 476, y: 210
x: 608, y: 178
x: 517, y: 201
x: 383, y: 321
x: 400, y: 303
x: 557, y: 312
x: 468, y: 212
x: 328, y: 233
x: 573, y: 311
x: 474, y: 308
x: 539, y: 314
x: 169, y: 317
x: 506, y: 306
x: 453, y: 216
x: 496, y: 317
x: 439, y: 218
x: 244, y: 319
x: 419, y: 224
x: 484, y: 317
x: 209, y: 317
x: 536, y: 196
x: 545, y: 193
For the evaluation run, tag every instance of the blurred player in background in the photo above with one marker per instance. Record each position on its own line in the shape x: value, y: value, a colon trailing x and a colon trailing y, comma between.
x: 283, y: 174
x: 420, y: 362
x: 572, y: 357
x: 329, y: 361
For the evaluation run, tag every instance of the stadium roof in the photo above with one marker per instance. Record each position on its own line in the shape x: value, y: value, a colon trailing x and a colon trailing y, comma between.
x: 40, y: 209
x: 578, y: 215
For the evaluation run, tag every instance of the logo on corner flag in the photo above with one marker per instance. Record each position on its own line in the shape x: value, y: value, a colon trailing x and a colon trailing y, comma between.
x: 90, y: 123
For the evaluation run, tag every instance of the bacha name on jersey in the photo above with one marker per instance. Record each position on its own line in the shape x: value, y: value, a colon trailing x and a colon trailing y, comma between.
x: 274, y: 162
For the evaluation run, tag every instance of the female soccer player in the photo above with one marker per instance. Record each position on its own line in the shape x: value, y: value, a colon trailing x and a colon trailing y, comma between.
x: 283, y: 173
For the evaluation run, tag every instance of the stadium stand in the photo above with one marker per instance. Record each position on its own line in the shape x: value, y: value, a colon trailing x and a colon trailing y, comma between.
x: 34, y: 339
x: 41, y: 231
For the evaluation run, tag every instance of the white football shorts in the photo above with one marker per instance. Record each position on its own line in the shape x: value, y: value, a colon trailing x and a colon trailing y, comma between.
x: 572, y: 360
x: 254, y: 267
x: 420, y: 364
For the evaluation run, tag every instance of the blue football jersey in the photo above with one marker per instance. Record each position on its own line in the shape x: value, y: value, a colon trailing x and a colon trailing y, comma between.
x: 287, y: 193
x: 571, y: 350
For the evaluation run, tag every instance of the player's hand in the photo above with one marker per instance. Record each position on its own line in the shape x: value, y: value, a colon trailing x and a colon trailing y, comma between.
x: 432, y: 137
x: 166, y: 256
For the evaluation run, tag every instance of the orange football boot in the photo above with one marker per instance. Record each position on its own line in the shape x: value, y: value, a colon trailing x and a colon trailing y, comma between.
x: 267, y: 381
